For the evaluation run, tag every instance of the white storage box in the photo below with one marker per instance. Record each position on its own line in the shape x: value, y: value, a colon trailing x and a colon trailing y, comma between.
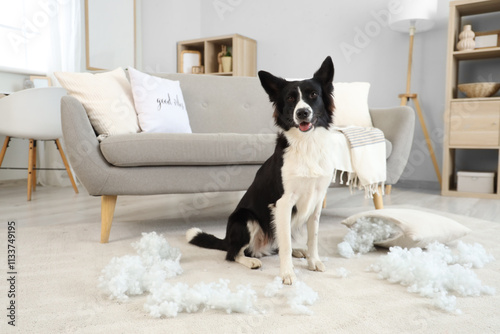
x: 476, y: 182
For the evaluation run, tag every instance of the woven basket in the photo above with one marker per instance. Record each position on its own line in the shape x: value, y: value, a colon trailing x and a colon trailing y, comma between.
x: 480, y: 89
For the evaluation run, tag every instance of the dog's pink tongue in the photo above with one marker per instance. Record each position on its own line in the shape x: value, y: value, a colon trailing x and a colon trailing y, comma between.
x: 304, y: 126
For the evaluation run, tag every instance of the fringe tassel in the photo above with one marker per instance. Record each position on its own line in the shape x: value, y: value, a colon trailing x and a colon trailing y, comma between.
x: 373, y: 189
x: 354, y: 183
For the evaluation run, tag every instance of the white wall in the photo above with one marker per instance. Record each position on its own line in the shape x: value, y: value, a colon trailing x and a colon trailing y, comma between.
x: 164, y: 23
x: 294, y: 36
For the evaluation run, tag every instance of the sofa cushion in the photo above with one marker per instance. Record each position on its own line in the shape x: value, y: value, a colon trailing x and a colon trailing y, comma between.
x: 351, y: 104
x: 159, y: 103
x: 107, y: 98
x: 187, y: 149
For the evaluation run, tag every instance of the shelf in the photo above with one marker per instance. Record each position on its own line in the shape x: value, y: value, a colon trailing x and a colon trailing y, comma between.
x: 473, y: 147
x: 221, y: 73
x: 456, y: 193
x: 473, y: 7
x: 485, y: 53
x: 243, y: 49
x: 477, y: 99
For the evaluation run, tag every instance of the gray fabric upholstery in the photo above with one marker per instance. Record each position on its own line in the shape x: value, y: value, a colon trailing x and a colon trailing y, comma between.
x: 101, y: 178
x: 388, y: 149
x: 398, y: 125
x: 217, y: 105
x: 225, y: 105
x: 188, y: 149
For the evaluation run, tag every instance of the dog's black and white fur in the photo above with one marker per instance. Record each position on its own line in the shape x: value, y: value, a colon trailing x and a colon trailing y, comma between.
x: 289, y: 188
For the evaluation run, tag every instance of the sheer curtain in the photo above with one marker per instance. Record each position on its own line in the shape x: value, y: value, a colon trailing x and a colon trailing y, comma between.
x: 66, y: 53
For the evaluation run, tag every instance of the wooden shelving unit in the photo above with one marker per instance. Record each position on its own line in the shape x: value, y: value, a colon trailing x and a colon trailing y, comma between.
x: 477, y: 54
x: 243, y: 50
x: 470, y: 123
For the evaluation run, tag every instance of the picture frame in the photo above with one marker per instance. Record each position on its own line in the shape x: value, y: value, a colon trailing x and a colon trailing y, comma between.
x: 190, y: 58
x: 487, y: 39
x: 117, y: 46
x: 40, y: 81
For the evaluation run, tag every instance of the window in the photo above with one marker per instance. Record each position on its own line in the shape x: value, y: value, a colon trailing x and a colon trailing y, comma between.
x: 25, y: 34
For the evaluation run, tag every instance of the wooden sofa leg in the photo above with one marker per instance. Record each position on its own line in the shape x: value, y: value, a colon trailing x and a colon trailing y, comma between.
x: 108, y: 203
x: 378, y: 199
x: 388, y: 189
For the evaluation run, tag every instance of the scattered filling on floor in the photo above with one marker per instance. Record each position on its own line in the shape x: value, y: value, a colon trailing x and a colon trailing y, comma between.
x: 156, y: 261
x: 437, y: 272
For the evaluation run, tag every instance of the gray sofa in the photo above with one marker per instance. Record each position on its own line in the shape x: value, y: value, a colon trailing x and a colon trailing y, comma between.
x: 233, y: 134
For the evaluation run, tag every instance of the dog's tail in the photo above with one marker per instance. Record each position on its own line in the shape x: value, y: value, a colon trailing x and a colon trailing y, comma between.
x: 199, y: 238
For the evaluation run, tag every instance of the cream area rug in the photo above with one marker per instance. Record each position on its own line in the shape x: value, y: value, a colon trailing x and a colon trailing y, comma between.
x: 58, y: 268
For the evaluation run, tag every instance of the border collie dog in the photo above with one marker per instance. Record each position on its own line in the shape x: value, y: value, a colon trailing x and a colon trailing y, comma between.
x: 289, y: 188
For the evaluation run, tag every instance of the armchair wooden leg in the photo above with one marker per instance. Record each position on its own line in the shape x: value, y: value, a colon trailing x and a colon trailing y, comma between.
x: 378, y: 200
x: 66, y: 165
x: 4, y: 149
x: 31, y: 158
x: 108, y: 203
x: 324, y: 202
x: 34, y: 166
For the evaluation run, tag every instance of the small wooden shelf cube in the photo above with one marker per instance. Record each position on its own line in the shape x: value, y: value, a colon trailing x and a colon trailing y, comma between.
x: 243, y: 51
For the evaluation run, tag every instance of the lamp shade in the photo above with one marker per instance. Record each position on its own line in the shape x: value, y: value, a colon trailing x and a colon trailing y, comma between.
x: 417, y: 13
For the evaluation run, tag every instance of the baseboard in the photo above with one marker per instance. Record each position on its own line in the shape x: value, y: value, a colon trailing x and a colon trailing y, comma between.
x: 416, y: 184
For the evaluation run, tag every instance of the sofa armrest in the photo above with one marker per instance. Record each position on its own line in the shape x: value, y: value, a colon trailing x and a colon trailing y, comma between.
x: 398, y: 125
x: 82, y: 146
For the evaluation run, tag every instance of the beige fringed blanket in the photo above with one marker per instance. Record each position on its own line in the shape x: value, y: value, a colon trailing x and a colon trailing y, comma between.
x: 360, y: 152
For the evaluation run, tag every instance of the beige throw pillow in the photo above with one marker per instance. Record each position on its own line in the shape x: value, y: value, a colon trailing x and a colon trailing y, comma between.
x: 107, y: 98
x: 351, y: 104
x: 418, y: 228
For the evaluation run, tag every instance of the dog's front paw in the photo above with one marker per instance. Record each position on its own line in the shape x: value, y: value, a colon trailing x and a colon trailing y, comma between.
x: 254, y: 263
x: 249, y: 262
x: 288, y: 277
x: 315, y: 265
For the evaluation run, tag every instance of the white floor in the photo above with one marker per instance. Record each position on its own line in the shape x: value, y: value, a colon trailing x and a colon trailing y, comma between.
x: 53, y: 205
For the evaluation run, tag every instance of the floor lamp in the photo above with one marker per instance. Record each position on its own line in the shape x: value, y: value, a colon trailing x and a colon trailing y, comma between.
x: 413, y: 16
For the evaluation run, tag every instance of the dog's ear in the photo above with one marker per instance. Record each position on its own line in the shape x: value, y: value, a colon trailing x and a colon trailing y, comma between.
x: 325, y: 73
x: 272, y: 85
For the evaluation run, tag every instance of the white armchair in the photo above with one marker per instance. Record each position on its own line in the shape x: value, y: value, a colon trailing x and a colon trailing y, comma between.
x: 33, y: 114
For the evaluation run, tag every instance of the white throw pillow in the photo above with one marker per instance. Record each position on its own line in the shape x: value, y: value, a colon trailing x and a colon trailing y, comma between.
x: 106, y: 97
x: 351, y: 104
x: 418, y: 228
x: 159, y: 103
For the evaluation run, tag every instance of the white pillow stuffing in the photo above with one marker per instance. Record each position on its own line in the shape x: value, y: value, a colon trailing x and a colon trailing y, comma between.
x: 298, y: 296
x: 169, y: 299
x: 135, y: 274
x: 437, y: 272
x: 366, y: 232
x: 146, y: 272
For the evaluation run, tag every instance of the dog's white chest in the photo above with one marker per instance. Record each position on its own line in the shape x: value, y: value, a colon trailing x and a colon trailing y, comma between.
x: 307, y: 171
x: 308, y: 155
